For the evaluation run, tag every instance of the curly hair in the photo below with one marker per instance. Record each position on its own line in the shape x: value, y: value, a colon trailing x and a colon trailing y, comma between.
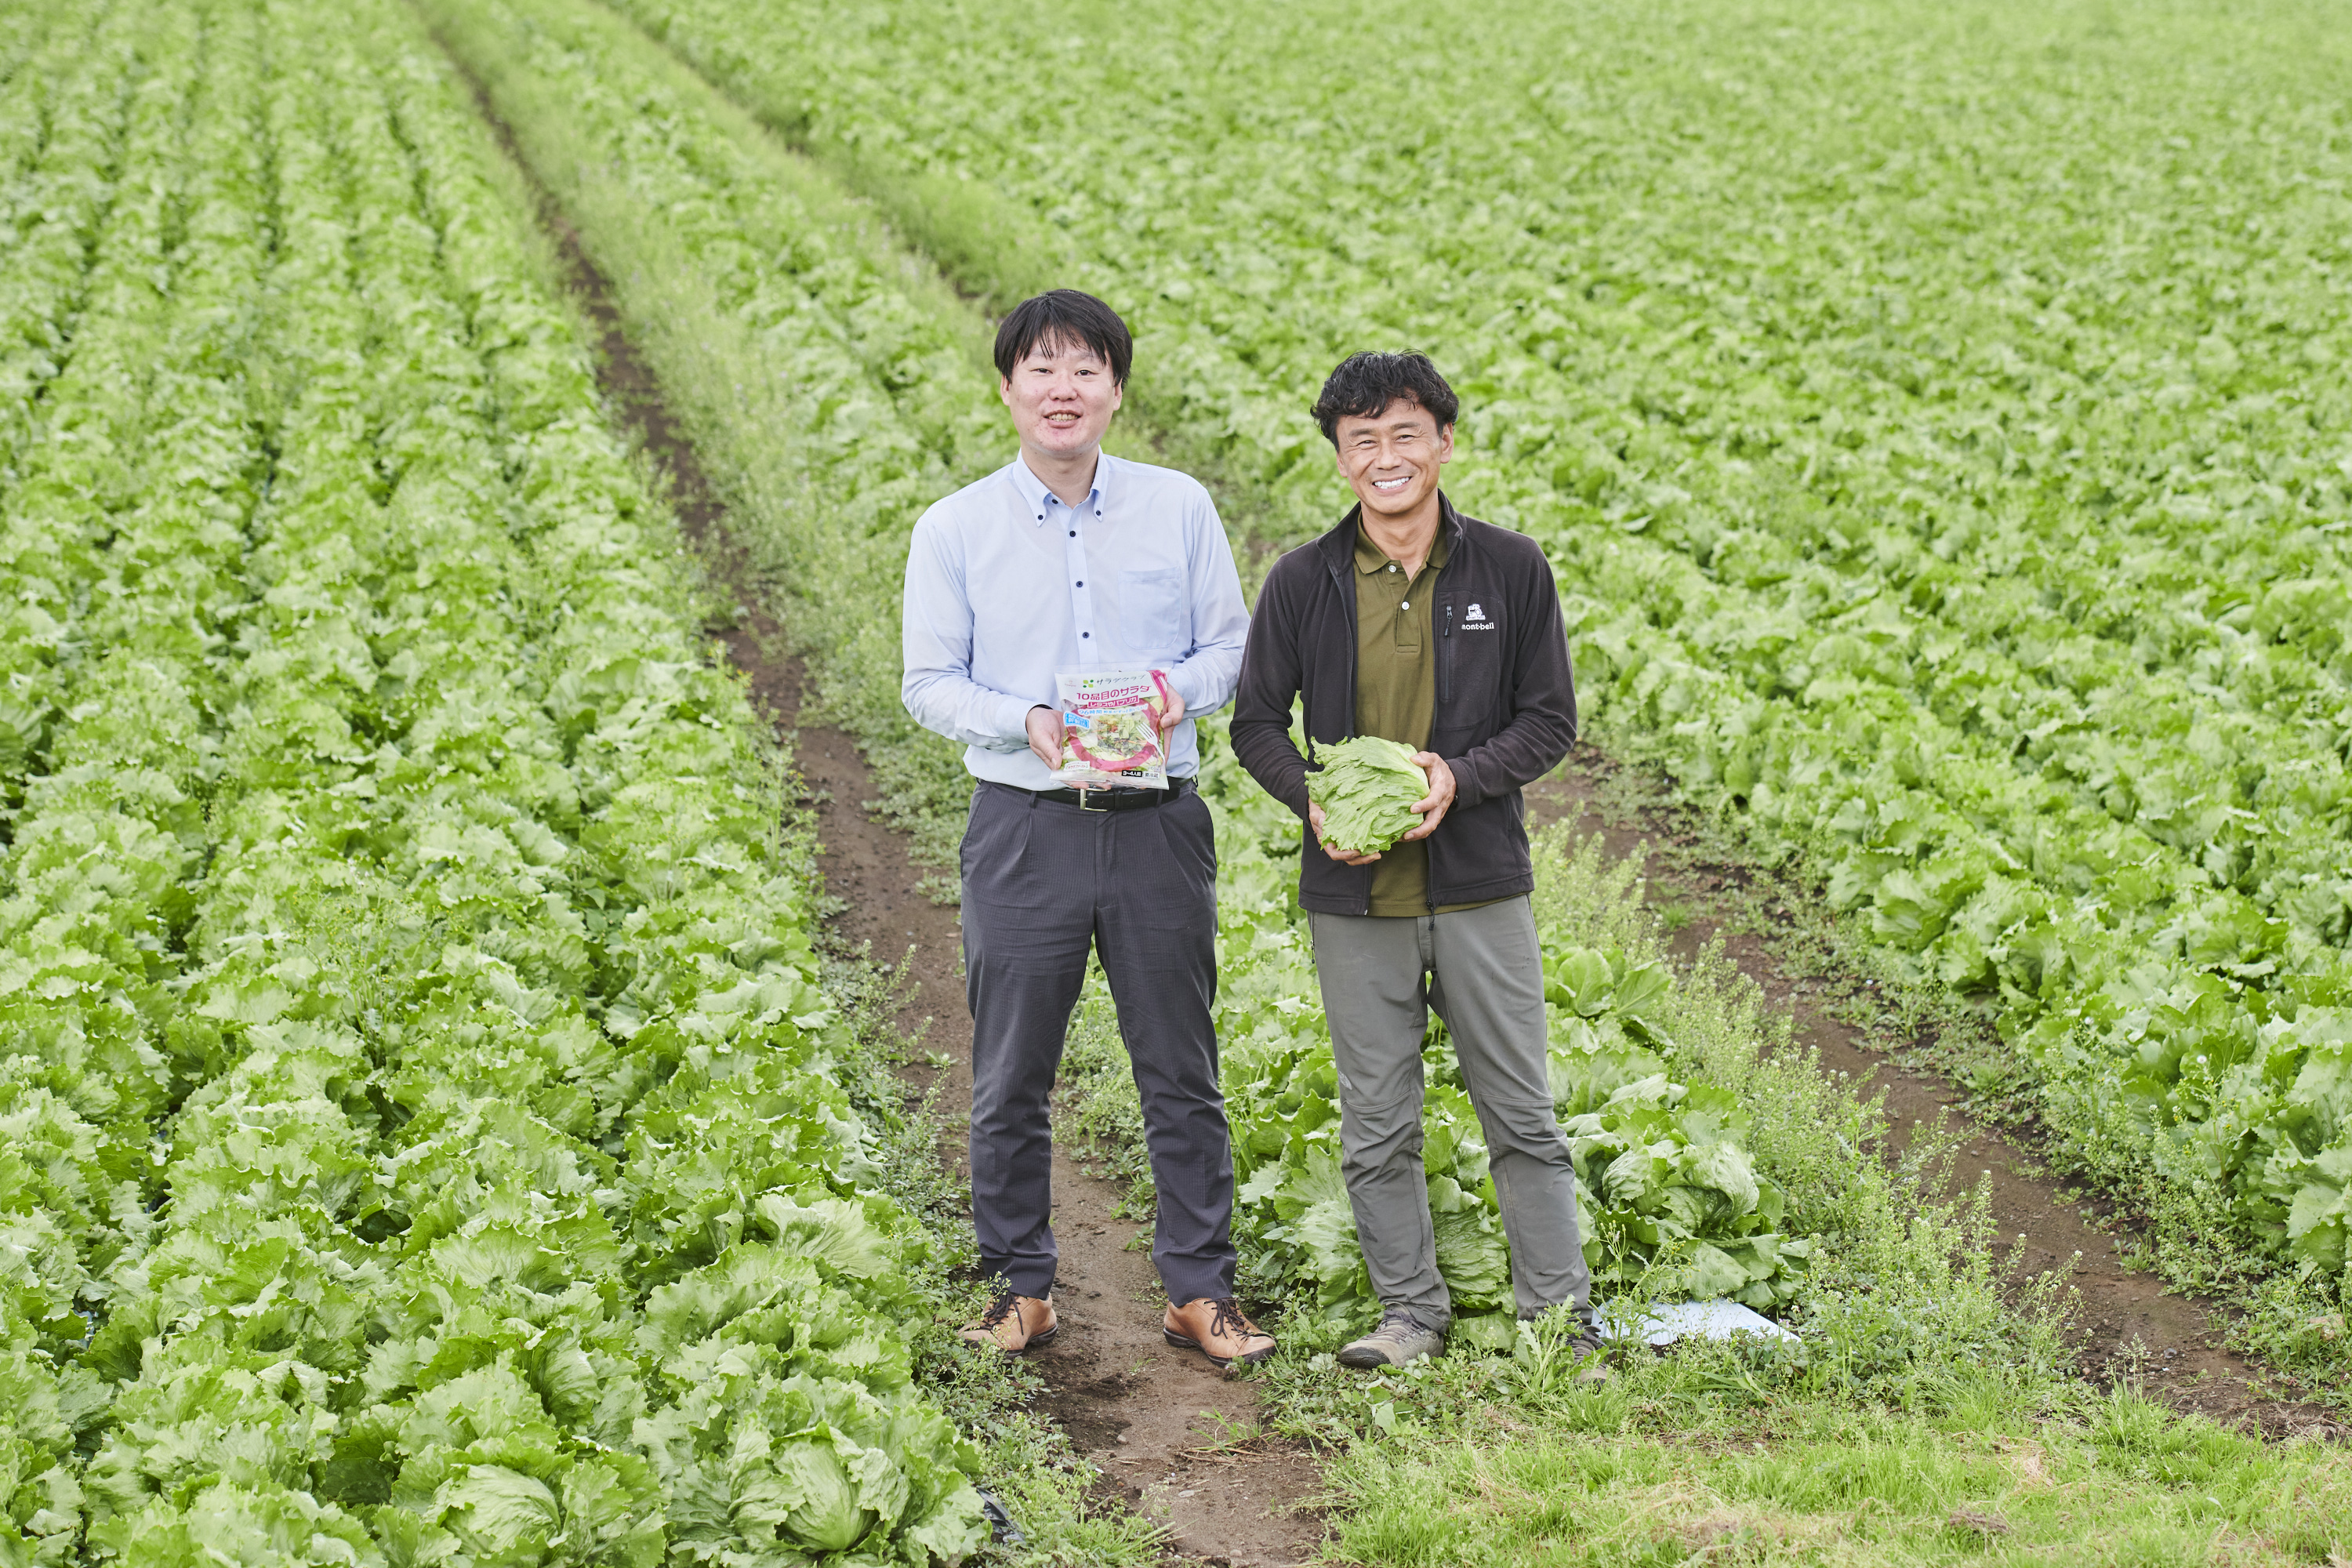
x: 1367, y: 382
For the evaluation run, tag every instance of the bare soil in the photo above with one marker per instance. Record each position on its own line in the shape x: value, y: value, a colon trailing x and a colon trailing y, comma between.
x: 2128, y: 1327
x: 1176, y: 1439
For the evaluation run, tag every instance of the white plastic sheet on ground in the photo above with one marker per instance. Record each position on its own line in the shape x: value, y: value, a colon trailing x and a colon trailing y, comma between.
x: 1664, y: 1323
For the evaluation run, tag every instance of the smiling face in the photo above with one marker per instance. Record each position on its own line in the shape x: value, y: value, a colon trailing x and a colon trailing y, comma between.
x: 1062, y: 396
x: 1391, y: 459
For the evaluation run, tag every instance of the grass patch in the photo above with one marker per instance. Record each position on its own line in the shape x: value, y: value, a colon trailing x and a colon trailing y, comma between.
x: 1661, y: 1467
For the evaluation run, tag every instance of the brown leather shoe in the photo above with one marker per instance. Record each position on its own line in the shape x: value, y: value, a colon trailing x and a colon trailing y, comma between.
x: 1013, y: 1324
x: 1214, y: 1326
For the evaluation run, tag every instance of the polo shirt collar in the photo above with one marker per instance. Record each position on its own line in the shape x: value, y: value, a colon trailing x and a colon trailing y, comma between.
x: 1033, y: 492
x: 1369, y: 558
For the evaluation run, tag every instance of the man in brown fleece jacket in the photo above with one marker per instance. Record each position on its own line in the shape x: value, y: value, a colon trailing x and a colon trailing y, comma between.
x: 1414, y: 623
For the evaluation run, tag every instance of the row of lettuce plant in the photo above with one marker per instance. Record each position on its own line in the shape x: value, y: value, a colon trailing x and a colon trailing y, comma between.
x: 1677, y: 1203
x: 136, y: 485
x: 1880, y: 633
x: 500, y: 1206
x: 70, y: 76
x: 83, y: 118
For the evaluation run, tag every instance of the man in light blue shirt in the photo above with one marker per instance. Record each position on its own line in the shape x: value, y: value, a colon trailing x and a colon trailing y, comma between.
x: 1068, y: 558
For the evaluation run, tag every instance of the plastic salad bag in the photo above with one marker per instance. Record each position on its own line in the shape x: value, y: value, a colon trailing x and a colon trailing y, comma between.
x: 1111, y: 729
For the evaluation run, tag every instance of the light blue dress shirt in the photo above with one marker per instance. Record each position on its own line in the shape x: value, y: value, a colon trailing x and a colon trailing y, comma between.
x: 1007, y: 585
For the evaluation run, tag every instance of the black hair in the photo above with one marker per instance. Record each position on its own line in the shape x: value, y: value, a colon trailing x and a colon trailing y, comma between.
x: 1367, y: 382
x: 1062, y: 317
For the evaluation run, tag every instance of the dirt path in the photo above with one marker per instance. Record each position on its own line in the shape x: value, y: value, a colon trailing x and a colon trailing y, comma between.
x: 2129, y: 1326
x: 1169, y: 1431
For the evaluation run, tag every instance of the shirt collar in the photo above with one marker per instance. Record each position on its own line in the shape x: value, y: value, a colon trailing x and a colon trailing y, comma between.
x: 1033, y: 492
x: 1369, y: 558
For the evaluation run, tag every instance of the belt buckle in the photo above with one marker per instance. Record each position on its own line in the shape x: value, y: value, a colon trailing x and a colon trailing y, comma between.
x: 1083, y: 796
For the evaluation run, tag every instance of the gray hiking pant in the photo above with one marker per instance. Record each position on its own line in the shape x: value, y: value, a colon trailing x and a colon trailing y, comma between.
x: 1043, y: 884
x: 1482, y: 970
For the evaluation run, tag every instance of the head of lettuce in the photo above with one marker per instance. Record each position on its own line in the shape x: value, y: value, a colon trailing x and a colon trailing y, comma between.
x: 1367, y: 787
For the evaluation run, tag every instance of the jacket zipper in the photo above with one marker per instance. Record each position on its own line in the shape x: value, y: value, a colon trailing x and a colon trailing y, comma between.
x: 1347, y: 609
x: 1342, y: 586
x: 1445, y: 658
x: 1444, y: 694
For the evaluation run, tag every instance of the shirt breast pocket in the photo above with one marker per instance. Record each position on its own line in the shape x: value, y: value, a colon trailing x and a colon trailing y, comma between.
x: 1151, y: 601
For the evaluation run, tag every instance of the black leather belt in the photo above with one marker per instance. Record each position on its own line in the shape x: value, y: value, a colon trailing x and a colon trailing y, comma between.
x: 1111, y: 799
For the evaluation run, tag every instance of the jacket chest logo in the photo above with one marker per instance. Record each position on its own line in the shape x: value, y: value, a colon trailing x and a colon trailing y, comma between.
x: 1475, y: 619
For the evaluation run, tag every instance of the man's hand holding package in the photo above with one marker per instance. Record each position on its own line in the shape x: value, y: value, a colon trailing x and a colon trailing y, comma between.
x: 1046, y: 728
x: 1046, y: 735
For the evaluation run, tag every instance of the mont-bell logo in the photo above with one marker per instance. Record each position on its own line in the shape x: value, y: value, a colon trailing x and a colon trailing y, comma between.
x: 1476, y: 620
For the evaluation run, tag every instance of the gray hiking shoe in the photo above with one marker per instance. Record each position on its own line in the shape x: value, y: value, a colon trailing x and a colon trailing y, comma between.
x: 1399, y: 1338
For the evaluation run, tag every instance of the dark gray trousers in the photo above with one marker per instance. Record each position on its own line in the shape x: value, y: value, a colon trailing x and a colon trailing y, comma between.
x: 1044, y: 883
x: 1482, y: 970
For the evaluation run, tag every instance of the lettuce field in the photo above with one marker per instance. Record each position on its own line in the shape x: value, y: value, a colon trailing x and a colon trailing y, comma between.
x: 426, y: 1131
x: 420, y: 1142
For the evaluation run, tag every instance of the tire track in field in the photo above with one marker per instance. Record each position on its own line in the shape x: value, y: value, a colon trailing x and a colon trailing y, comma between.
x: 2129, y: 1327
x: 1159, y: 1422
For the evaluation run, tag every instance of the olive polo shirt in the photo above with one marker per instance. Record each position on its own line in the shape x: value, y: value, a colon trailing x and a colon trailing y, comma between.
x: 1396, y: 697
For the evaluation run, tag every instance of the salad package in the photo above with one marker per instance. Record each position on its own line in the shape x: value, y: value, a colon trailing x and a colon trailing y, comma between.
x: 1111, y: 729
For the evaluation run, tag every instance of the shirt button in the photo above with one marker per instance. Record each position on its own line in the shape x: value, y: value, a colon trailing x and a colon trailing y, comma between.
x: 1082, y: 581
x: 1086, y: 634
x: 1073, y: 533
x: 1407, y: 605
